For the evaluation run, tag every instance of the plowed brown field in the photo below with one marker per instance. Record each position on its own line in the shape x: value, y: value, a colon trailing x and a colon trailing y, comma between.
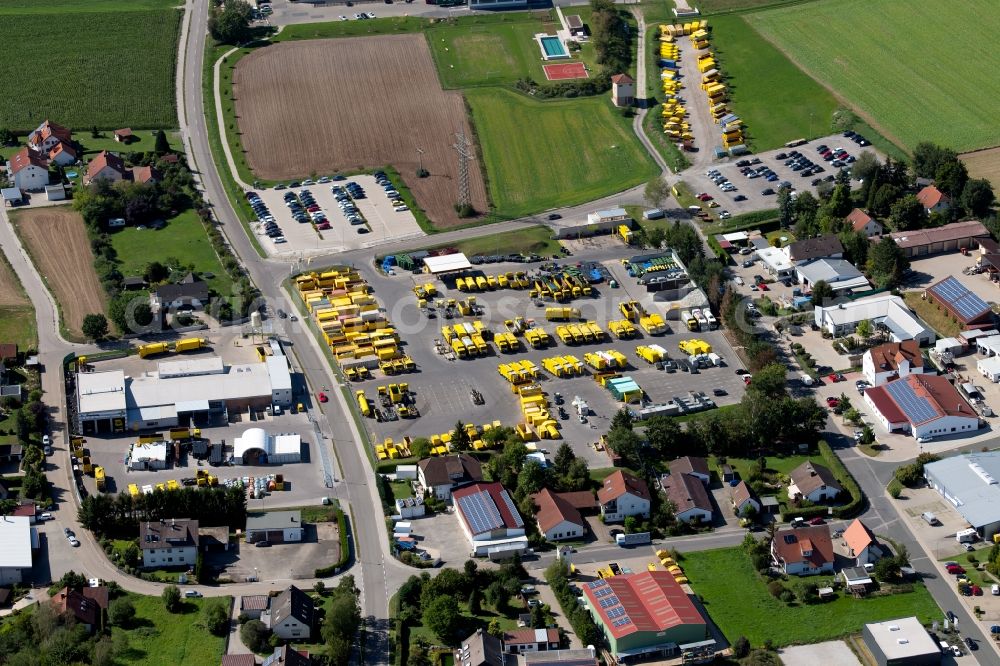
x: 313, y: 107
x: 56, y: 240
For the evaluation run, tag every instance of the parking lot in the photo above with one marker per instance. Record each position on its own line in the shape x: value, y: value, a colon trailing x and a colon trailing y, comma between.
x: 382, y: 223
x: 700, y: 181
x: 319, y: 547
x: 443, y: 387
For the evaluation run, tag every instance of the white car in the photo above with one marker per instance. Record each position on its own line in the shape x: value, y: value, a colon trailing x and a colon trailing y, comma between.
x: 370, y: 15
x: 343, y: 18
x: 45, y: 516
x: 192, y: 594
x: 73, y: 541
x: 739, y: 281
x: 46, y: 440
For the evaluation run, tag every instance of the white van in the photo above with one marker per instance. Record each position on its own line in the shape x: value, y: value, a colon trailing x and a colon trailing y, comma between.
x: 930, y: 518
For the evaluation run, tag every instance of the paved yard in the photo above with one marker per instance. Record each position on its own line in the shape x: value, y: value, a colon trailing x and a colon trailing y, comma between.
x: 829, y: 653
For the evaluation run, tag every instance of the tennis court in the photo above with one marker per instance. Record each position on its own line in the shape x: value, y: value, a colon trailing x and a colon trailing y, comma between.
x: 566, y: 70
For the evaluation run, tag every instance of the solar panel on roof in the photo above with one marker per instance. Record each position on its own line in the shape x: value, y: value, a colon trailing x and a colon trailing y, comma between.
x: 967, y: 304
x: 510, y: 507
x: 617, y: 611
x: 917, y: 408
x: 481, y: 512
x: 622, y: 621
x: 603, y: 592
x: 594, y: 584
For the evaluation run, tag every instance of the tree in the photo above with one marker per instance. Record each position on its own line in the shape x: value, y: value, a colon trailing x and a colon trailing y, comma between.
x: 460, y: 439
x: 786, y: 210
x: 951, y: 177
x: 255, y: 635
x: 493, y: 629
x: 342, y: 619
x: 230, y: 24
x: 530, y: 481
x: 769, y: 381
x: 496, y: 595
x: 864, y: 329
x: 622, y: 419
x: 95, y: 326
x: 866, y: 166
x: 7, y: 138
x: 171, y: 598
x: 625, y: 443
x: 161, y: 145
x: 978, y: 197
x: 840, y: 203
x: 927, y: 157
x: 887, y: 569
x: 475, y: 601
x: 821, y: 292
x: 156, y: 272
x: 216, y: 619
x: 741, y: 647
x: 564, y: 456
x: 907, y: 213
x: 886, y: 263
x: 121, y: 612
x: 421, y: 447
x: 441, y: 617
x: 655, y: 236
x: 657, y: 191
x: 664, y: 435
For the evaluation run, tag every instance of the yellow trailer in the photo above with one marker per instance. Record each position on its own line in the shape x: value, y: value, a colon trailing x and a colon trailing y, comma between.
x: 363, y: 403
x: 190, y: 344
x: 153, y: 348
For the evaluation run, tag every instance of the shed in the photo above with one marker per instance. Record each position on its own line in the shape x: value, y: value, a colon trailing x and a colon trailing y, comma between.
x: 989, y: 368
x: 55, y: 192
x: 406, y: 471
x: 770, y: 505
x: 951, y: 345
x: 11, y: 196
x: 446, y: 263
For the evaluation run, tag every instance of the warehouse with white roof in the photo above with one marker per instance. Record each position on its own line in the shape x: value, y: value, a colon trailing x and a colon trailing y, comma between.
x: 17, y: 539
x: 971, y: 484
x: 884, y: 311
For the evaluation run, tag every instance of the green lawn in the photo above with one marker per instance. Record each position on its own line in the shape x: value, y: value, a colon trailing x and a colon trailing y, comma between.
x: 144, y: 140
x: 713, y: 6
x: 383, y: 26
x: 536, y: 240
x: 738, y: 602
x: 17, y: 324
x: 159, y: 637
x: 776, y: 465
x: 486, y: 52
x: 978, y: 577
x: 934, y: 315
x: 776, y: 100
x: 183, y: 238
x: 542, y: 155
x: 110, y: 64
x: 905, y: 63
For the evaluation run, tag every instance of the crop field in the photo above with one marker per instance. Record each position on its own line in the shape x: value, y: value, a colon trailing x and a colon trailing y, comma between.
x: 490, y: 53
x: 902, y: 64
x: 108, y: 65
x: 381, y: 104
x: 17, y: 316
x: 56, y: 241
x: 542, y: 155
x: 775, y: 98
x: 984, y: 164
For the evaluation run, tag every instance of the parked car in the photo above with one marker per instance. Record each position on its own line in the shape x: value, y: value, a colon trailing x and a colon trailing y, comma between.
x: 322, y: 397
x: 818, y: 520
x: 192, y: 594
x: 836, y: 377
x: 832, y: 402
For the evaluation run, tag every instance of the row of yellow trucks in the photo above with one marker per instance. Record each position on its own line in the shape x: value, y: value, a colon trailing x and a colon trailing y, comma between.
x: 510, y: 280
x: 576, y: 334
x: 440, y: 443
x: 697, y: 319
x: 536, y: 337
x: 651, y: 323
x: 467, y: 339
x: 674, y: 115
x: 184, y: 345
x: 352, y: 324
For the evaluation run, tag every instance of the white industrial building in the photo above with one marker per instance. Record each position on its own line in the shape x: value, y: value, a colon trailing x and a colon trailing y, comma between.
x: 195, y: 388
x: 274, y: 527
x: 840, y: 274
x: 489, y: 519
x: 257, y: 447
x: 148, y: 456
x: 971, y: 484
x: 884, y: 310
x: 17, y: 539
x: 447, y: 263
x: 925, y: 406
x: 775, y: 261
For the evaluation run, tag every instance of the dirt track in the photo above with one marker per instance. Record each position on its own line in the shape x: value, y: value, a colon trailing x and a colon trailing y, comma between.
x: 314, y: 107
x: 57, y: 242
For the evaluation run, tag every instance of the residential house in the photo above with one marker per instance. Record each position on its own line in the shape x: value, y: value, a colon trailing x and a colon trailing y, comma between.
x: 690, y: 499
x: 62, y: 154
x: 168, y: 543
x: 557, y: 518
x: 190, y: 292
x: 124, y: 135
x: 47, y: 136
x: 820, y: 247
x: 933, y: 200
x: 86, y: 606
x: 253, y: 605
x: 892, y: 360
x: 11, y: 453
x: 862, y: 544
x: 106, y: 166
x: 286, y: 655
x: 239, y: 660
x: 440, y: 474
x: 291, y: 615
x: 813, y: 482
x: 863, y: 222
x: 482, y: 649
x: 694, y: 465
x: 622, y: 495
x: 28, y: 170
x: 520, y: 641
x: 803, y: 551
x: 145, y: 174
x: 743, y: 497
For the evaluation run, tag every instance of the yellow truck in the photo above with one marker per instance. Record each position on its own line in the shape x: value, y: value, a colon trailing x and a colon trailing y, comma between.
x: 99, y: 477
x: 190, y: 344
x: 537, y: 337
x: 622, y: 329
x: 653, y: 324
x: 625, y: 233
x: 562, y: 314
x: 152, y: 349
x: 363, y: 403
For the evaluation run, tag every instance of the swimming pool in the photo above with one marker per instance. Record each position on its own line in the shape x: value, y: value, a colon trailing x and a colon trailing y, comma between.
x: 552, y: 47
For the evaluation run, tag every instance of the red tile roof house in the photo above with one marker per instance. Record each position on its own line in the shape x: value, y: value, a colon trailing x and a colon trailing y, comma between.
x: 892, y: 360
x: 530, y: 640
x: 557, y: 518
x: 145, y: 174
x: 862, y: 221
x: 62, y: 154
x: 933, y: 200
x: 622, y: 495
x: 862, y: 544
x: 803, y: 551
x: 28, y: 170
x: 107, y: 166
x: 47, y: 135
x: 86, y: 606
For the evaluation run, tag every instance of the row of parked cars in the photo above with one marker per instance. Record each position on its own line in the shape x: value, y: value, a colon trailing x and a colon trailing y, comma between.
x: 265, y: 217
x: 304, y: 209
x: 345, y: 197
x: 390, y: 191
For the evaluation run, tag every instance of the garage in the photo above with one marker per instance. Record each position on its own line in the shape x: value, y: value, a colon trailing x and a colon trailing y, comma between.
x: 275, y: 527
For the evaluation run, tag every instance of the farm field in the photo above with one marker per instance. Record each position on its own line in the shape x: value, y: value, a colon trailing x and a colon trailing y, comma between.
x: 728, y: 586
x: 775, y: 98
x: 183, y: 239
x: 984, y: 164
x: 17, y: 315
x: 360, y: 115
x: 157, y: 637
x: 542, y: 155
x: 116, y: 71
x: 712, y: 6
x: 471, y: 53
x: 56, y: 241
x: 900, y: 70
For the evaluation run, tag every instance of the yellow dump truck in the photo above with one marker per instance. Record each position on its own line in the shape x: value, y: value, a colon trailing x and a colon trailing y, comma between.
x: 562, y: 314
x: 190, y: 344
x: 152, y: 349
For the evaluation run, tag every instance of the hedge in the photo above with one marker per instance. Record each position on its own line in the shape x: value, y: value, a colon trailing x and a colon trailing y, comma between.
x: 848, y: 483
x: 579, y: 617
x: 345, y: 551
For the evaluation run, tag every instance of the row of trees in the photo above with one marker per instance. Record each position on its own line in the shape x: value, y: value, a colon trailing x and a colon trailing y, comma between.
x: 120, y: 515
x: 30, y: 420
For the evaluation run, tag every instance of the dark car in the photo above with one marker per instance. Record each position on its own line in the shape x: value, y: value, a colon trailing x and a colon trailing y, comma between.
x: 781, y: 156
x: 718, y: 391
x: 554, y: 216
x: 739, y: 197
x: 971, y: 643
x: 767, y: 192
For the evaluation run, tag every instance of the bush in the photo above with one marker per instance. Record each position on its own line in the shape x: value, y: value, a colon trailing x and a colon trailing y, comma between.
x: 895, y: 489
x: 171, y: 598
x: 775, y: 588
x: 741, y: 647
x: 217, y: 618
x: 255, y: 635
x: 121, y: 612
